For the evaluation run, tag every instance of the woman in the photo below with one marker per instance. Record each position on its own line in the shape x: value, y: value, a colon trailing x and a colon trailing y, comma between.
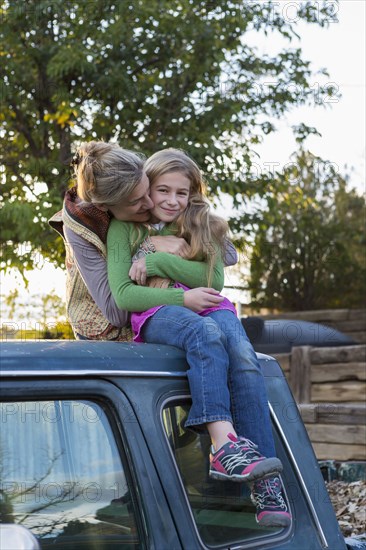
x: 84, y: 222
x: 117, y: 186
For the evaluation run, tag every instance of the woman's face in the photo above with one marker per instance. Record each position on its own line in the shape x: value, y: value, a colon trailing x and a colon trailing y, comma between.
x: 136, y: 208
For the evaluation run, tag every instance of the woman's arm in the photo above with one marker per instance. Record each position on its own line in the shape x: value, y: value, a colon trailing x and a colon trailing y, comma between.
x: 191, y: 273
x: 179, y: 247
x: 127, y: 294
x: 188, y: 272
x: 231, y: 255
x: 93, y: 269
x: 171, y: 244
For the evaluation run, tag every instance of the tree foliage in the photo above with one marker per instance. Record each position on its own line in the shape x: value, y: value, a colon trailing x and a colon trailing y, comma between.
x: 148, y: 74
x: 309, y: 244
x: 39, y: 317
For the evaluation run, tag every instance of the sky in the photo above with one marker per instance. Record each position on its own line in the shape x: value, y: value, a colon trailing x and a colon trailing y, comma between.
x: 341, y: 49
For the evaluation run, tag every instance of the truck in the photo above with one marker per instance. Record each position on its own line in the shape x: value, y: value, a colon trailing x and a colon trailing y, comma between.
x: 94, y: 455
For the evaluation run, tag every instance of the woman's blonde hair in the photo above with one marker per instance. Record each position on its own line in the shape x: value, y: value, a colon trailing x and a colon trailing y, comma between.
x: 106, y: 173
x: 204, y: 231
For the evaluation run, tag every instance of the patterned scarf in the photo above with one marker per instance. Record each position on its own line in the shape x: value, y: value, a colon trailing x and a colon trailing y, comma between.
x: 87, y: 214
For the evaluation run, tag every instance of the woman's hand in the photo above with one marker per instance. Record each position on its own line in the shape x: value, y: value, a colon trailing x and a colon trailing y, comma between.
x: 138, y: 272
x: 172, y: 245
x: 201, y: 298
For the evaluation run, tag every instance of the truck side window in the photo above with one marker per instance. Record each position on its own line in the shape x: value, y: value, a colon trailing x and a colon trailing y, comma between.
x: 62, y: 476
x: 222, y: 510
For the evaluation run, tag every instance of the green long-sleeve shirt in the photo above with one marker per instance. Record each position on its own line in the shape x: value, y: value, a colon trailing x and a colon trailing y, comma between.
x: 123, y: 240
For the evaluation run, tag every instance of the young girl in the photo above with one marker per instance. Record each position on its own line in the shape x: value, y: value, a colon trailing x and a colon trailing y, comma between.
x: 225, y: 379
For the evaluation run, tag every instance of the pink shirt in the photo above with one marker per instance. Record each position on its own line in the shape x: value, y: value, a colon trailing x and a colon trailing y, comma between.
x: 138, y: 319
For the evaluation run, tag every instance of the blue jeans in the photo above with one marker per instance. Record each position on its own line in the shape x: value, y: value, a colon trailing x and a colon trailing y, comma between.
x: 225, y: 377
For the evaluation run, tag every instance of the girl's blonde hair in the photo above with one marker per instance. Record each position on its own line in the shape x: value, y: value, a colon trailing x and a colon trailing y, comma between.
x: 204, y: 231
x: 105, y: 173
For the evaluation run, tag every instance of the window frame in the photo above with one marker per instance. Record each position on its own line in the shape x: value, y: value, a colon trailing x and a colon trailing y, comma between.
x: 111, y: 400
x: 276, y: 539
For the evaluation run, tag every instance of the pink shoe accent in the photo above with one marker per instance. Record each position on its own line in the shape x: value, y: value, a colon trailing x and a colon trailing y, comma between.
x: 238, y: 460
x: 215, y: 461
x: 252, y: 466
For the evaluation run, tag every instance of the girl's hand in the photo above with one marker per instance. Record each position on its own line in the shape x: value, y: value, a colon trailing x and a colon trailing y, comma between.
x: 201, y: 298
x: 172, y: 245
x: 138, y: 272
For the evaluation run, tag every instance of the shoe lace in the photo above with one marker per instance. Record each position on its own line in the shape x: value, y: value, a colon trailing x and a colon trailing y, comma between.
x: 268, y: 493
x: 247, y: 442
x: 239, y: 440
x: 244, y: 457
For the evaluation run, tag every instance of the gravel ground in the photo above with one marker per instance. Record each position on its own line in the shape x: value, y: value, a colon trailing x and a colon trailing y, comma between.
x: 349, y: 502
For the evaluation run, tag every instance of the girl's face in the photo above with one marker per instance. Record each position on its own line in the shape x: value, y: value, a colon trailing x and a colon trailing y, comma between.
x: 170, y: 195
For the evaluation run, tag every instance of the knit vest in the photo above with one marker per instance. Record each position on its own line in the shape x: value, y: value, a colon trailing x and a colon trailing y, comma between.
x: 83, y: 313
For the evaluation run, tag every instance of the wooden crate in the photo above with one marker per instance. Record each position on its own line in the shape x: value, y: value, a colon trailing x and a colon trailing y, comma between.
x: 337, y: 431
x: 329, y: 385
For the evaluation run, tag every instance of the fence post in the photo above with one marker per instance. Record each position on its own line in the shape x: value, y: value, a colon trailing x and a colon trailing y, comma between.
x: 300, y: 374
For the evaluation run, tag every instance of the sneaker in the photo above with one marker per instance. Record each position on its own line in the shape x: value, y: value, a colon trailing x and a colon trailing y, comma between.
x: 238, y: 460
x: 271, y: 506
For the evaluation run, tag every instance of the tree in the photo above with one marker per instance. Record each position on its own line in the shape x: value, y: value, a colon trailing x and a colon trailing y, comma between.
x: 44, y: 315
x: 148, y: 74
x: 309, y: 244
